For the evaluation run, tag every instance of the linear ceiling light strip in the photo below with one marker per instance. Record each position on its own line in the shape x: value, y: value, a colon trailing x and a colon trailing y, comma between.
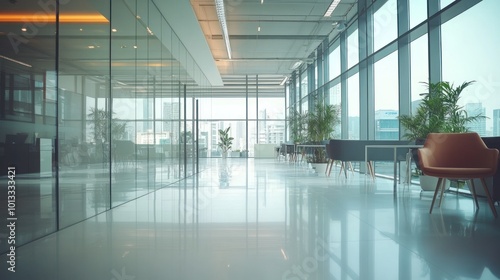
x: 15, y: 61
x: 221, y: 14
x: 332, y: 7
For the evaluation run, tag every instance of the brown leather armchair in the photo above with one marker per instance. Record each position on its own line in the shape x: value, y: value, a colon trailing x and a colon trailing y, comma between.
x: 458, y: 156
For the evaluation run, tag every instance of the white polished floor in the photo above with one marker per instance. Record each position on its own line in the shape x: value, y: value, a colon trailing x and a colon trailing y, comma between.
x: 263, y: 219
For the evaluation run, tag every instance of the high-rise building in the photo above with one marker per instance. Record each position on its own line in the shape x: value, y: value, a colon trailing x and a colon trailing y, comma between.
x: 171, y: 117
x: 275, y: 132
x: 386, y: 125
x: 496, y: 122
x: 476, y: 109
x: 214, y: 136
x: 262, y: 126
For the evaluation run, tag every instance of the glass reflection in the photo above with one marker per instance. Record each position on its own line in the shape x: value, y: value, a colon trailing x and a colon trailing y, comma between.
x: 84, y: 135
x: 27, y: 126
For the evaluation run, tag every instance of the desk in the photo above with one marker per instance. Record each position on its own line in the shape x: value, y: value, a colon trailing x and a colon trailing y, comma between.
x: 395, y: 148
x: 304, y: 146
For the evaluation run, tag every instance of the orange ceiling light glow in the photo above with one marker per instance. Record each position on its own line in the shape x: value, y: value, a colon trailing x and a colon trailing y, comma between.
x: 51, y: 18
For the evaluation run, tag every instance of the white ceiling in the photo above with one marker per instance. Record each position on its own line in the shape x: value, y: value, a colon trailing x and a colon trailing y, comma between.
x: 290, y: 30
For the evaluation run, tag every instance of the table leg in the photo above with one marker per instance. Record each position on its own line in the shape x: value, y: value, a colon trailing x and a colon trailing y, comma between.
x: 395, y: 170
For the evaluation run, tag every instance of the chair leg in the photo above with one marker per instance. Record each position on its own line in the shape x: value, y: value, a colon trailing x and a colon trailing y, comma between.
x: 443, y: 183
x: 490, y: 201
x: 473, y: 190
x: 435, y: 194
x: 371, y: 170
x: 343, y: 167
x: 350, y: 166
x: 330, y: 169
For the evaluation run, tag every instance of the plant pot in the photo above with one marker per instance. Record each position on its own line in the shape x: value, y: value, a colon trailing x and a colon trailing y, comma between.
x: 428, y: 183
x: 414, y: 151
x: 235, y: 154
x: 224, y: 154
x: 319, y: 168
x: 479, y: 186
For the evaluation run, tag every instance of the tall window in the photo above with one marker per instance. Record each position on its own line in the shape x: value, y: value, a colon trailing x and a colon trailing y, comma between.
x: 352, y: 46
x: 353, y: 106
x: 470, y: 52
x: 334, y: 62
x: 385, y: 24
x: 418, y: 11
x: 419, y: 70
x: 386, y: 98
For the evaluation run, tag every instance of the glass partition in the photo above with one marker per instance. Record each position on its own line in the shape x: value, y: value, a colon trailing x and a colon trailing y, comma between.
x: 84, y: 134
x: 28, y: 138
x: 97, y: 123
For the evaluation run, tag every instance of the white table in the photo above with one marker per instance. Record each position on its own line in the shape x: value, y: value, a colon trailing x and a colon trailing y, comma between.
x: 395, y: 148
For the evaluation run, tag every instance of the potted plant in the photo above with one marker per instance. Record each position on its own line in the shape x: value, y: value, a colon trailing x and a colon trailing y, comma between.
x: 320, y: 125
x: 99, y: 120
x: 225, y: 141
x: 298, y: 126
x: 438, y: 111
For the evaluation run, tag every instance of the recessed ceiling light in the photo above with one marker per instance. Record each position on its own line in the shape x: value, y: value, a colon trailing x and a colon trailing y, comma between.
x: 24, y: 29
x: 258, y: 28
x: 114, y: 30
x: 81, y: 29
x: 135, y: 47
x: 91, y: 46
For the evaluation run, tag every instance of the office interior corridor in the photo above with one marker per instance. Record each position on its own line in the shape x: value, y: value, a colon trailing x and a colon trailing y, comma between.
x: 261, y: 219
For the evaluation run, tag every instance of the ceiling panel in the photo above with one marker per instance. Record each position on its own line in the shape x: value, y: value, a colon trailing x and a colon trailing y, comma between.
x: 290, y: 30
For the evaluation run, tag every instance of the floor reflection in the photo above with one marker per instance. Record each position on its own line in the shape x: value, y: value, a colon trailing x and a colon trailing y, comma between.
x: 272, y: 220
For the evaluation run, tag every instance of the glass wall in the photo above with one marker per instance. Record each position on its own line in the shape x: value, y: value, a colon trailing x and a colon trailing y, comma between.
x: 385, y: 23
x: 469, y: 55
x: 353, y: 107
x: 84, y: 138
x: 28, y: 119
x: 419, y: 70
x: 369, y: 63
x: 258, y: 119
x: 386, y: 98
x: 417, y: 11
x: 352, y: 45
x: 91, y: 113
x: 334, y: 61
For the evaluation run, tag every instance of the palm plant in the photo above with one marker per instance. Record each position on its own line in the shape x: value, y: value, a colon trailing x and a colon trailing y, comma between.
x: 100, y: 123
x: 321, y: 123
x: 438, y: 112
x: 298, y: 126
x: 225, y: 141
